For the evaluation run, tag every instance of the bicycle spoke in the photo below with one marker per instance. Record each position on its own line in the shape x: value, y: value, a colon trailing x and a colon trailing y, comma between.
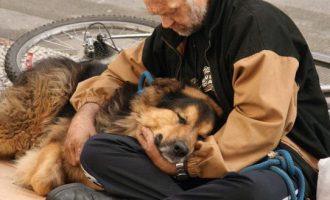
x: 62, y: 42
x: 122, y: 30
x: 75, y: 32
x: 57, y: 44
x: 61, y: 50
x: 73, y: 37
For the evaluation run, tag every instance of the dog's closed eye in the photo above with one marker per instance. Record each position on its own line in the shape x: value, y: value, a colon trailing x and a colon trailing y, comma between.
x: 181, y: 120
x: 158, y: 139
x: 201, y: 137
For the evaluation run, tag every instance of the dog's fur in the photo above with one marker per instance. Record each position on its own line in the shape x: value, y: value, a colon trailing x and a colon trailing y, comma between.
x: 35, y: 116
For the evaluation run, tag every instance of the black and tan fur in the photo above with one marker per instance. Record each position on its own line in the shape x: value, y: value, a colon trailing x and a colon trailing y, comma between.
x: 34, y: 118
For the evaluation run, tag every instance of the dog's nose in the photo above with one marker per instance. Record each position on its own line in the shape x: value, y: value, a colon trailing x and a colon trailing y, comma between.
x: 180, y: 149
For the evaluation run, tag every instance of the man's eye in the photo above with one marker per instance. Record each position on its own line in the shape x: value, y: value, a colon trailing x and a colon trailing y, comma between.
x: 181, y: 120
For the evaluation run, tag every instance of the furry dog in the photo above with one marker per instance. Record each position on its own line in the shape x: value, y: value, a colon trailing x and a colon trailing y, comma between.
x: 35, y: 115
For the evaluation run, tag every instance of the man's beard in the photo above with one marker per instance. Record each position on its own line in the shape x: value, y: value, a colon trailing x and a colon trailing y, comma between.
x: 197, y: 16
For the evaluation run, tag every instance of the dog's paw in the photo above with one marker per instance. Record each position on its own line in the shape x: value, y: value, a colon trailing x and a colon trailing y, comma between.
x: 43, y: 181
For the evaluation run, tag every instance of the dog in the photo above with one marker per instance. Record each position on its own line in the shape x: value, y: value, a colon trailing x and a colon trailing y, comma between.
x: 35, y: 114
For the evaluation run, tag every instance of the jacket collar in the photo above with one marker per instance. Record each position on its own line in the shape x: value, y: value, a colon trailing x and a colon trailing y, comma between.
x: 212, y: 17
x: 171, y: 37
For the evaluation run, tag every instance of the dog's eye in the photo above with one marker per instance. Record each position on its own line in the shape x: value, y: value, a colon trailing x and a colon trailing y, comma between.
x: 181, y: 120
x: 158, y: 139
x: 200, y: 137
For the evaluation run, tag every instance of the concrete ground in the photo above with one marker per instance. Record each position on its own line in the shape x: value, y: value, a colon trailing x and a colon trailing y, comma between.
x: 17, y: 16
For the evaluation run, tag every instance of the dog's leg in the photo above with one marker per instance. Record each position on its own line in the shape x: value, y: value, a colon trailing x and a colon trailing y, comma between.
x: 25, y: 167
x: 76, y: 174
x: 41, y: 169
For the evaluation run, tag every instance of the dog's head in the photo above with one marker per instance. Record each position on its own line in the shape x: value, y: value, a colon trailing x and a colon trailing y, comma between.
x: 177, y: 114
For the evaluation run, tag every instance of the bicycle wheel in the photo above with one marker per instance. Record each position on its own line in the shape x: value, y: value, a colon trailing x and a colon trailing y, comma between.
x: 66, y: 38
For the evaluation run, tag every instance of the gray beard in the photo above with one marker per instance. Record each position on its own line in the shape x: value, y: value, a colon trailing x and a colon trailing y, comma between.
x: 198, y: 15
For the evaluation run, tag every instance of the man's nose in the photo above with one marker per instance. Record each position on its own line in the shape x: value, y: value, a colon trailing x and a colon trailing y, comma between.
x: 167, y: 21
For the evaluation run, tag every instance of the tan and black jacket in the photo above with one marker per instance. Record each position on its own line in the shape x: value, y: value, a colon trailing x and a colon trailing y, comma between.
x: 263, y: 76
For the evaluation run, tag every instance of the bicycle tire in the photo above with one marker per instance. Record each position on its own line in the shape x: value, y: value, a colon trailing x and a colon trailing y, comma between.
x: 12, y: 62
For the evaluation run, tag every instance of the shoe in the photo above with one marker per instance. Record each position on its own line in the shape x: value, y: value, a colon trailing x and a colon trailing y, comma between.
x: 76, y: 191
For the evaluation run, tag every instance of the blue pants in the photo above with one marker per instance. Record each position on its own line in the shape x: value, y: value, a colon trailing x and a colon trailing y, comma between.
x: 120, y: 165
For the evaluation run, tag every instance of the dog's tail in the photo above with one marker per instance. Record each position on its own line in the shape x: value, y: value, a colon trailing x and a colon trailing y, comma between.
x: 35, y: 100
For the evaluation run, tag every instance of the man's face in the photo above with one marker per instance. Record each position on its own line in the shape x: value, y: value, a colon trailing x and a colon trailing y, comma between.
x: 182, y: 16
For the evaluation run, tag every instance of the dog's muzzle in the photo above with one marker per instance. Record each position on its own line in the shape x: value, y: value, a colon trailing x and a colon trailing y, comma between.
x: 174, y: 151
x: 180, y: 149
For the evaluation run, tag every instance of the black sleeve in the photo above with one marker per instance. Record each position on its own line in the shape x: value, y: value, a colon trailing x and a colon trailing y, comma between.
x: 261, y: 26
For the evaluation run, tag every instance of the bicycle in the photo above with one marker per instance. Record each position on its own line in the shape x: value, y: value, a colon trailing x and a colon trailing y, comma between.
x: 82, y: 38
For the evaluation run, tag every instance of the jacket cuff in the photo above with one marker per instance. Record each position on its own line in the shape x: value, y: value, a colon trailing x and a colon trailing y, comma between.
x: 77, y: 105
x: 206, y: 161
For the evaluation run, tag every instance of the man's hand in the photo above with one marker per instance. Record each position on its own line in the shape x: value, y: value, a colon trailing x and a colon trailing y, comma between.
x: 81, y: 128
x: 146, y: 138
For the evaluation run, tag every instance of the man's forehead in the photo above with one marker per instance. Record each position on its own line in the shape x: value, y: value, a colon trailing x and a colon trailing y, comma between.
x: 156, y: 6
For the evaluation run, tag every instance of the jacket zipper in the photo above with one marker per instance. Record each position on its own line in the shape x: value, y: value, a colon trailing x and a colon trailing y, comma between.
x: 207, y: 61
x: 212, y: 73
x: 205, y: 56
x: 178, y: 54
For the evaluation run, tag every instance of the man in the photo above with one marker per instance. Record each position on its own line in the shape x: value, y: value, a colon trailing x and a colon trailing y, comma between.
x: 252, y: 60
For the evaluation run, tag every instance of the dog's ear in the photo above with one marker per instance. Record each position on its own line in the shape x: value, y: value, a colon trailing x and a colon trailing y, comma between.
x: 195, y: 93
x: 167, y: 85
x: 152, y: 94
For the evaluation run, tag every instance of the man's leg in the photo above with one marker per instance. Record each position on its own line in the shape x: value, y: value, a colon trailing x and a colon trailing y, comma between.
x: 120, y: 165
x: 254, y: 185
